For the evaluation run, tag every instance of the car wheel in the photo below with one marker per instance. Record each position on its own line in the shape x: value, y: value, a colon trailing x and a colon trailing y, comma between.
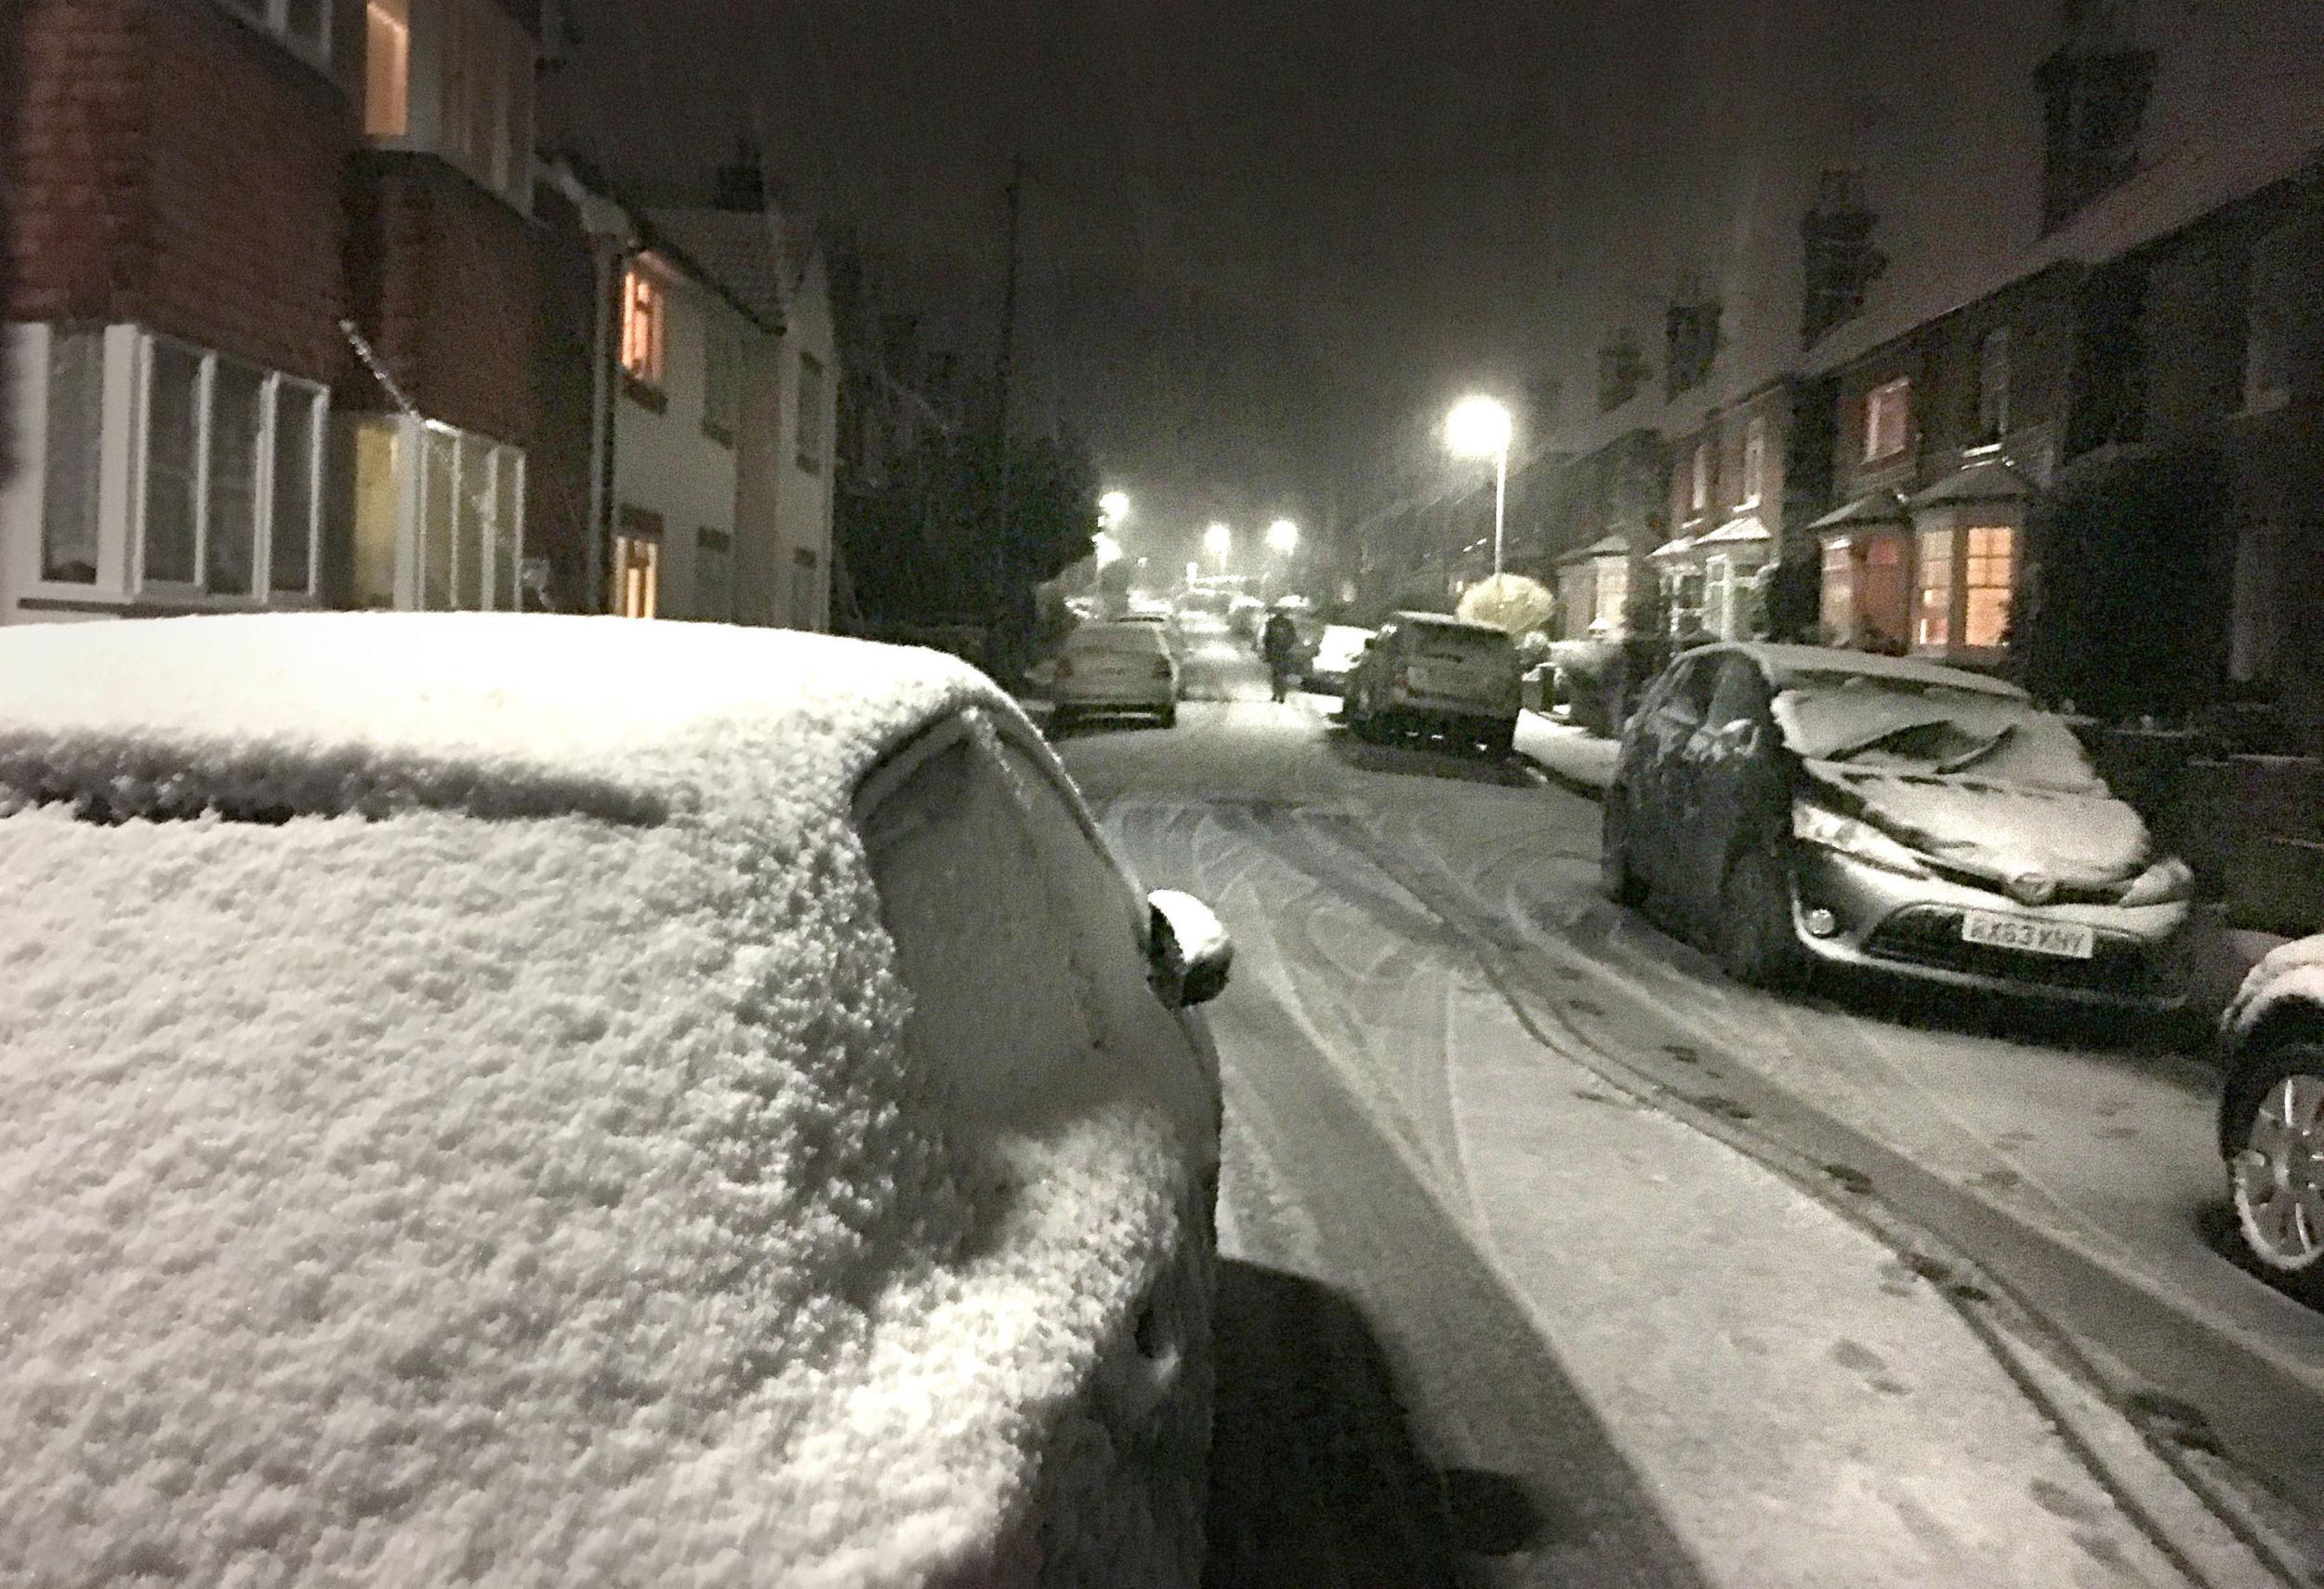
x: 2276, y: 1173
x: 1059, y: 720
x: 1757, y: 941
x: 1169, y: 716
x: 1614, y: 872
x: 1500, y: 740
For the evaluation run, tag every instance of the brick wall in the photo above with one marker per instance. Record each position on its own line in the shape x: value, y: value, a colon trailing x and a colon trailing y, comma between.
x: 173, y: 167
x: 447, y: 281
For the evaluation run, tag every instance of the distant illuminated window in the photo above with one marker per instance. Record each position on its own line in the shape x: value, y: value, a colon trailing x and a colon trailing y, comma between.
x: 1754, y: 462
x: 1990, y: 579
x: 1698, y: 489
x: 1932, y: 605
x: 1887, y: 419
x: 642, y: 305
x: 637, y: 572
x: 387, y: 68
x: 1838, y: 594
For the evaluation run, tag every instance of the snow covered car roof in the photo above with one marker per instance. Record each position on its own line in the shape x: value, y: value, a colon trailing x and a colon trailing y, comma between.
x: 473, y: 1142
x: 1788, y: 666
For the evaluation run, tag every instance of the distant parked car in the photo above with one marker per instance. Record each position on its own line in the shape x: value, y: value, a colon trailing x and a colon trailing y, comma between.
x: 1787, y: 806
x: 2271, y: 1114
x: 1115, y: 669
x: 1338, y: 649
x: 1245, y: 615
x: 1426, y: 674
x: 536, y: 1100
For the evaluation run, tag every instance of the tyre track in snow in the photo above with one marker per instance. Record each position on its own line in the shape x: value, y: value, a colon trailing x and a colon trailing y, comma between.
x: 1998, y: 1313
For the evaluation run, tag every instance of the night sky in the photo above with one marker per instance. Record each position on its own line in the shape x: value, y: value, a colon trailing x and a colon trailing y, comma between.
x: 1266, y: 244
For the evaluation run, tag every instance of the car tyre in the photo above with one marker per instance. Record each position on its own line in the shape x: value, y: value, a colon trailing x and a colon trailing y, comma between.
x: 1622, y: 884
x: 1168, y: 716
x: 2276, y: 1171
x: 1059, y: 720
x: 1500, y: 740
x: 1757, y: 942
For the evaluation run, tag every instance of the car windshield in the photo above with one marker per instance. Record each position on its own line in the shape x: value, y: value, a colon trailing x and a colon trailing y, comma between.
x: 1906, y: 726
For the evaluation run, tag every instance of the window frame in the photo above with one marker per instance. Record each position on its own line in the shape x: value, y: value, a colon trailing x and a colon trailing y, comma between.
x: 273, y: 18
x: 1699, y: 480
x: 644, y: 328
x: 122, y: 469
x: 1754, y: 460
x: 643, y: 527
x: 1932, y: 628
x: 470, y: 93
x: 1890, y: 399
x: 722, y: 380
x: 408, y: 589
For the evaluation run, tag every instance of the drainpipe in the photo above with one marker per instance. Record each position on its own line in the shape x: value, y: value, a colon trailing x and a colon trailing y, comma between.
x: 606, y: 262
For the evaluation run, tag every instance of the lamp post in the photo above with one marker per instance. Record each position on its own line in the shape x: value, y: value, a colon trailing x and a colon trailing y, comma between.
x: 1479, y: 428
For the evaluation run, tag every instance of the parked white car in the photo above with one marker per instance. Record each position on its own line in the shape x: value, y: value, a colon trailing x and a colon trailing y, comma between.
x: 2271, y: 1114
x: 1115, y: 669
x: 523, y: 1100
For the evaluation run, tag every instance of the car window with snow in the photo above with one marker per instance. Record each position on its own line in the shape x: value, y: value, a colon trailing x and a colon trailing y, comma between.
x: 1905, y: 726
x: 1464, y: 640
x: 1124, y: 637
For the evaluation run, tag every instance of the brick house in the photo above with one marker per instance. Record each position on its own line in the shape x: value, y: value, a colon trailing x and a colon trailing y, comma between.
x: 176, y: 281
x: 278, y: 306
x: 1728, y: 479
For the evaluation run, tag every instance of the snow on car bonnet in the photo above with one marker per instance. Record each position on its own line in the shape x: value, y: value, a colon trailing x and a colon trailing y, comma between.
x: 2289, y: 973
x: 404, y: 1196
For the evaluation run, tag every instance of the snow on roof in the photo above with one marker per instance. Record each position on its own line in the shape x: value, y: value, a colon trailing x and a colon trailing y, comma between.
x: 1604, y: 546
x: 1736, y: 531
x: 1879, y: 507
x: 406, y: 1197
x: 1788, y: 667
x: 740, y: 249
x: 1988, y: 479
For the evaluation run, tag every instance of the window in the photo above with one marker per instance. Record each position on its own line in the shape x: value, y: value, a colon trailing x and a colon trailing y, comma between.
x: 714, y: 573
x: 1887, y: 419
x: 1989, y: 577
x: 810, y: 417
x: 806, y: 590
x: 1698, y: 486
x: 1718, y: 597
x: 1613, y: 594
x: 1755, y: 461
x: 485, y: 83
x: 73, y: 474
x: 233, y: 454
x: 439, y: 517
x: 2272, y: 287
x: 387, y: 68
x: 721, y: 382
x: 1838, y: 604
x: 643, y: 307
x: 1993, y: 385
x: 1933, y: 602
x: 636, y: 571
x: 303, y: 24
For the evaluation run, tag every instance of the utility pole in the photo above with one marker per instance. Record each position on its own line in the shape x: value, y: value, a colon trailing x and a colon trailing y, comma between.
x: 1004, y: 376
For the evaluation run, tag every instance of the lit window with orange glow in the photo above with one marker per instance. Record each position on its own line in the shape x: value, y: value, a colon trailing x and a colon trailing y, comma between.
x: 387, y: 68
x: 642, y: 307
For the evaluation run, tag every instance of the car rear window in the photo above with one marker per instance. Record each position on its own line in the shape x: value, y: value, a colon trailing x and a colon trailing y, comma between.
x: 1461, y: 643
x: 1117, y: 636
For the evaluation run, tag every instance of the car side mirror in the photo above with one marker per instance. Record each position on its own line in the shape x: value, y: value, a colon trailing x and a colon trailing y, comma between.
x: 1188, y: 953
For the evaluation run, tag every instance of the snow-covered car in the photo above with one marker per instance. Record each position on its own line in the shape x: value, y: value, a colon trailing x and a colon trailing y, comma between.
x: 1789, y: 805
x: 1113, y: 669
x: 1244, y: 616
x: 520, y: 1100
x: 2271, y: 1114
x: 1427, y: 674
x: 1338, y: 649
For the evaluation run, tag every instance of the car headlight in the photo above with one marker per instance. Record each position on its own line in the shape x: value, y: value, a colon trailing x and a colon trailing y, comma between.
x: 2165, y: 882
x: 1860, y: 841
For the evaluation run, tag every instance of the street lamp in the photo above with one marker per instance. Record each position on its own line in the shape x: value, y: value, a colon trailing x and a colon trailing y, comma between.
x: 1109, y: 550
x: 1218, y: 541
x: 1283, y: 538
x: 1113, y: 508
x: 1479, y: 428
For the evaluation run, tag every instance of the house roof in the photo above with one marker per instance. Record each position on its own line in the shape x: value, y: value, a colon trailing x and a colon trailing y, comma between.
x: 1739, y: 530
x: 740, y: 252
x: 1881, y: 507
x: 1989, y: 479
x: 1672, y: 548
x: 1606, y: 546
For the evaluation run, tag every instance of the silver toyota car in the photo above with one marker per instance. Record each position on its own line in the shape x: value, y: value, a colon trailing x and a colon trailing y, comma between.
x: 1790, y: 805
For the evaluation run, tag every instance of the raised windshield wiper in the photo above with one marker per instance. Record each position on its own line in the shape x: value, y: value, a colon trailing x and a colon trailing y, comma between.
x: 1970, y: 757
x: 1856, y: 748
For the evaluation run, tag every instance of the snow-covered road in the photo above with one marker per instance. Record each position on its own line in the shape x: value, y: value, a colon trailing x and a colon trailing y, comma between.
x: 1588, y: 1230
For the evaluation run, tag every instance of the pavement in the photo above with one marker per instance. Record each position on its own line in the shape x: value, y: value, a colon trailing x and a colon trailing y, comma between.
x: 1560, y: 1191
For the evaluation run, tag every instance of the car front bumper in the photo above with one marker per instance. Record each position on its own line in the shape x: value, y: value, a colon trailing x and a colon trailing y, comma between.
x: 1910, y: 926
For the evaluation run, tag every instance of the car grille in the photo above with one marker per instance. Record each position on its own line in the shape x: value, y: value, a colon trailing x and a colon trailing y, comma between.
x: 1930, y: 935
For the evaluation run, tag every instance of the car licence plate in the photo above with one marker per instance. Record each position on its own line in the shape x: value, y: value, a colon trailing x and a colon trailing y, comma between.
x: 2065, y: 940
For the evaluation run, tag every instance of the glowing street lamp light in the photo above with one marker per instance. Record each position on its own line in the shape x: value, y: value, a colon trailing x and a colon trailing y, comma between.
x: 1283, y: 538
x: 1113, y: 508
x: 1109, y: 550
x: 1218, y: 541
x: 1479, y: 428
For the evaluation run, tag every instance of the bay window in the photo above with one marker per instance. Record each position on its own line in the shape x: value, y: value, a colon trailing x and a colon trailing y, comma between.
x: 1837, y: 605
x: 1933, y: 599
x: 454, y: 78
x: 1965, y: 583
x: 175, y: 472
x: 439, y: 517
